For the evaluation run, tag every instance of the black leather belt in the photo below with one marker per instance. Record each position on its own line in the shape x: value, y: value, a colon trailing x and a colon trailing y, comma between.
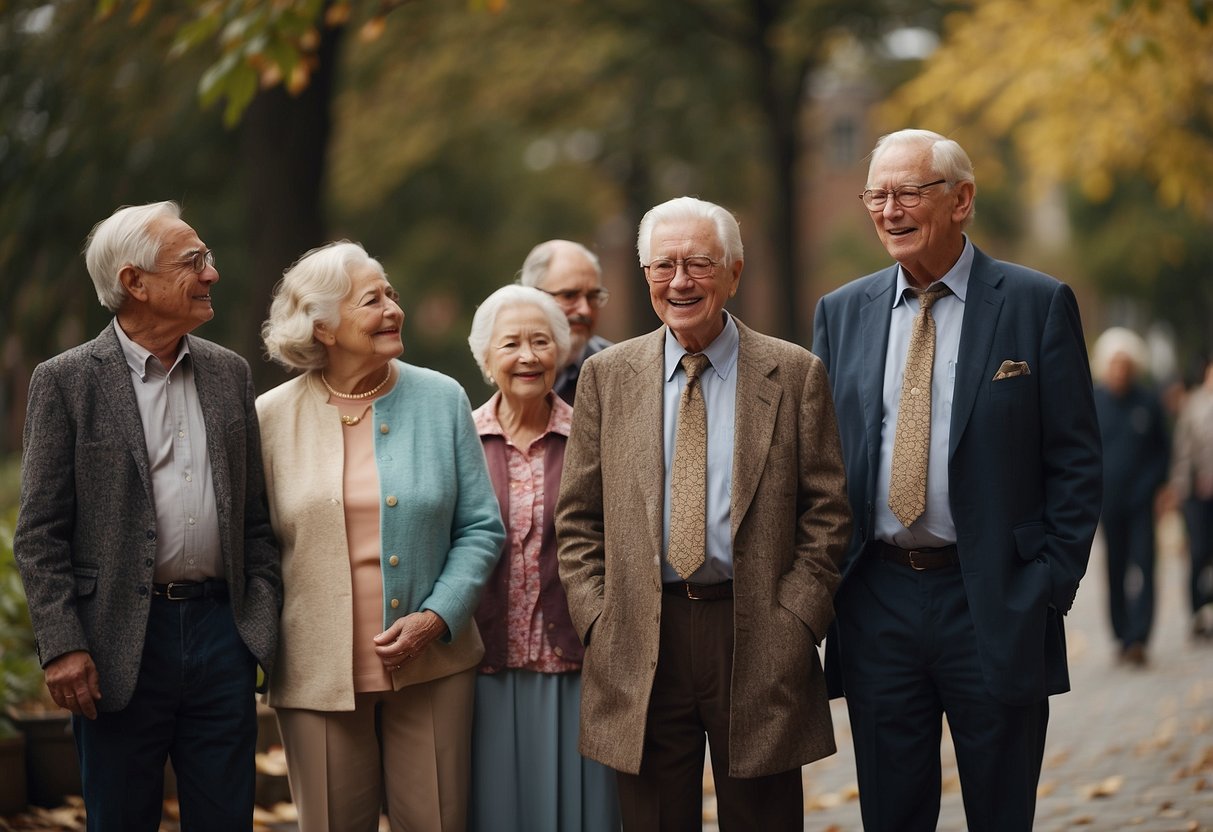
x: 700, y: 592
x: 191, y: 590
x: 920, y: 560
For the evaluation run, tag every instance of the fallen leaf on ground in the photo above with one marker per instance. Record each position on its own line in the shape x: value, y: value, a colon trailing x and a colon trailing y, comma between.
x: 1104, y: 788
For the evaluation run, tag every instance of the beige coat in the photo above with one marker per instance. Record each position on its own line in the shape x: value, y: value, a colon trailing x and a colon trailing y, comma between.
x: 790, y: 527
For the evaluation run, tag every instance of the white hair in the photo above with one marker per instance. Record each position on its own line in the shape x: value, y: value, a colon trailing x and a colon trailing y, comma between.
x: 1116, y: 341
x: 948, y: 158
x: 309, y: 293
x: 728, y: 232
x: 124, y: 239
x: 510, y: 297
x: 535, y: 268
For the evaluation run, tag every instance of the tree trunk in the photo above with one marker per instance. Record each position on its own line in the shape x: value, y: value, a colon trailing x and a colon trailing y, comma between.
x: 284, y: 148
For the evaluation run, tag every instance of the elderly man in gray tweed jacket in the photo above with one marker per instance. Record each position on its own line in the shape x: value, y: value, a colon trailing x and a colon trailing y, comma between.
x: 143, y: 537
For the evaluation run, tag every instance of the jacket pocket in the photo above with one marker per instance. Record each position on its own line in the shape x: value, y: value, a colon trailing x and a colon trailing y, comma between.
x: 86, y: 579
x: 1030, y: 540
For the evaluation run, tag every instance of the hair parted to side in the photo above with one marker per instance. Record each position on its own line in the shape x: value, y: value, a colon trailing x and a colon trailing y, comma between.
x: 948, y: 159
x: 539, y: 260
x: 728, y: 231
x: 310, y: 292
x: 508, y: 297
x: 124, y: 239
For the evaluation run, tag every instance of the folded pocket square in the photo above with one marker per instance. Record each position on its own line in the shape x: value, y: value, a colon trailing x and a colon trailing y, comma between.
x: 1010, y: 369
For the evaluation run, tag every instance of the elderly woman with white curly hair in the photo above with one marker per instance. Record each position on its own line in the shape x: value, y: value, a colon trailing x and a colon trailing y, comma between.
x: 528, y: 692
x: 389, y: 528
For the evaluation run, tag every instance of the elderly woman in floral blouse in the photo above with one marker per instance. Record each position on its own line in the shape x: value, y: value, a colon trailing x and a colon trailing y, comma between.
x: 526, y: 772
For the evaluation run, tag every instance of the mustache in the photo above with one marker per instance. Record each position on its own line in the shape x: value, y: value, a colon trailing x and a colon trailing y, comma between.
x: 579, y: 319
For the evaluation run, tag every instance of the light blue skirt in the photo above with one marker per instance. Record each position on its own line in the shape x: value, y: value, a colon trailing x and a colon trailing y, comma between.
x: 526, y: 772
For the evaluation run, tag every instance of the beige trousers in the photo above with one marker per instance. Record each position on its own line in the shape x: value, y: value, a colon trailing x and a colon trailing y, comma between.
x: 340, y: 768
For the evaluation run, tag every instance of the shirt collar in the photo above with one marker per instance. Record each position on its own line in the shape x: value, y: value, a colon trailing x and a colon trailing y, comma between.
x: 137, y: 356
x: 956, y: 279
x: 721, y: 353
x: 560, y: 420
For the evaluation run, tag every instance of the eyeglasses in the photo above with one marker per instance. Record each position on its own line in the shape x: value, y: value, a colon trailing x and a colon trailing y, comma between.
x: 570, y: 297
x: 663, y: 269
x: 198, y: 261
x: 907, y: 196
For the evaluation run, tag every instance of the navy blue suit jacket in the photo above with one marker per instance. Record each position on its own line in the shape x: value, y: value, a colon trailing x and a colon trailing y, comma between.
x: 1024, y: 470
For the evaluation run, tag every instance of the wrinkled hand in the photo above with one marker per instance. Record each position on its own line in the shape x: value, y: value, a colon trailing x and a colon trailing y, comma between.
x: 407, y: 638
x: 73, y: 682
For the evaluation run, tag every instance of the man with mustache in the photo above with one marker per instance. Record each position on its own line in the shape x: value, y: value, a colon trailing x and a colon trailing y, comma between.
x: 570, y: 273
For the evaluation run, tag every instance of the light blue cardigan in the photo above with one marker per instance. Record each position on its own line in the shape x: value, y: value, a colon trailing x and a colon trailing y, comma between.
x: 440, y: 527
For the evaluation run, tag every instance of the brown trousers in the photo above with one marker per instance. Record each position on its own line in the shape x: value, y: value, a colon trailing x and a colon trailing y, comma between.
x: 690, y: 703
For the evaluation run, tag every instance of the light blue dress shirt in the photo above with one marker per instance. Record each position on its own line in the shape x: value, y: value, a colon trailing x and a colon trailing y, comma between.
x: 935, y: 527
x: 719, y: 385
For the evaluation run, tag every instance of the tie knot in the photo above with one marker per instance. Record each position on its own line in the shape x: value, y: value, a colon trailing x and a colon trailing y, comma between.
x: 927, y: 297
x: 693, y: 365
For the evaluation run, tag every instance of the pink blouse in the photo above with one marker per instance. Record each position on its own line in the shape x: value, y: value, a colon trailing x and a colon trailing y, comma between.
x: 360, y: 483
x: 527, y: 647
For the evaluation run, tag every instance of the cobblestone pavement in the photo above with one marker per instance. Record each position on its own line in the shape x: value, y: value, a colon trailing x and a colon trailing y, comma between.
x: 1127, y: 749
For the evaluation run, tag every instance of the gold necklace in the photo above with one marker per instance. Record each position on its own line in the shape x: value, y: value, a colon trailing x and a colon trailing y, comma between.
x: 356, y: 396
x: 350, y: 421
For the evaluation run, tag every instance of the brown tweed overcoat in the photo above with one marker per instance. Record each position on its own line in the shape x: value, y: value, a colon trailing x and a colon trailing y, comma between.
x: 790, y: 527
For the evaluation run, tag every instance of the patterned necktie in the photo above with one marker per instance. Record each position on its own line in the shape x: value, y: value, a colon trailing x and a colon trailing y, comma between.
x: 912, y: 442
x: 689, y: 475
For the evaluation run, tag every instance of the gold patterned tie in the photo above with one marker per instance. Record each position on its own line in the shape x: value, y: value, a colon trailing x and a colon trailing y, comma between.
x: 689, y: 474
x: 912, y: 442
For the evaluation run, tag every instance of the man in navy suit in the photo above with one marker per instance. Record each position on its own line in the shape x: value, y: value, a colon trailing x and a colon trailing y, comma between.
x: 955, y: 608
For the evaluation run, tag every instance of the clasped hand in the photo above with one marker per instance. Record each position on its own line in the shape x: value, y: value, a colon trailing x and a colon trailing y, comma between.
x: 407, y: 638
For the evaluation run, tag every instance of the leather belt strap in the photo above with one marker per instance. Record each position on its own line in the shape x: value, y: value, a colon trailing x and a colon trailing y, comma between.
x: 191, y: 590
x: 920, y: 560
x: 700, y: 592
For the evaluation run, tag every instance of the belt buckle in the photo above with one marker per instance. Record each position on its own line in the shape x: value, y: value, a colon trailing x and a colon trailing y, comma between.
x: 690, y: 592
x: 169, y: 591
x: 910, y: 553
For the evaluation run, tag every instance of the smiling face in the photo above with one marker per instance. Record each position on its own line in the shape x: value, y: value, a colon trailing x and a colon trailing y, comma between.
x: 371, y: 317
x: 928, y: 238
x: 692, y: 308
x: 522, y: 352
x: 177, y: 297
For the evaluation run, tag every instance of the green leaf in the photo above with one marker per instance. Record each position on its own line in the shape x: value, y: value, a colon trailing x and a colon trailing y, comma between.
x: 241, y: 87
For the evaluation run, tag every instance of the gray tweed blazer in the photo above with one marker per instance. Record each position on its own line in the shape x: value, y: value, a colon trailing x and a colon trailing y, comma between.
x: 86, y: 530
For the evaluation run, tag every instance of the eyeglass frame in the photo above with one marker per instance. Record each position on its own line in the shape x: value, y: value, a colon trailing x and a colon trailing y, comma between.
x: 204, y: 256
x: 898, y: 194
x: 713, y: 265
x: 596, y: 298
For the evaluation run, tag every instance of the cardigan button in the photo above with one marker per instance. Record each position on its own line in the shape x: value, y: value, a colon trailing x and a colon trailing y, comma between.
x: 393, y: 560
x: 391, y: 500
x: 395, y: 603
x: 384, y: 428
x: 558, y: 651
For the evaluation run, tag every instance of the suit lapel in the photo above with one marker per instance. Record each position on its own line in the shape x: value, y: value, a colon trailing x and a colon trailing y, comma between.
x: 114, y: 382
x: 754, y: 423
x: 874, y: 318
x: 643, y: 394
x: 983, y: 303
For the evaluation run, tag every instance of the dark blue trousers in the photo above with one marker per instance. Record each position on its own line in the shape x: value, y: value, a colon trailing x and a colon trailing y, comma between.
x: 1129, y: 535
x: 193, y: 703
x: 909, y: 656
x: 1199, y: 517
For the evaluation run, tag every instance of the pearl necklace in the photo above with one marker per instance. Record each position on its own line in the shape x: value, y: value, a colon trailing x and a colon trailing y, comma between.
x: 356, y: 396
